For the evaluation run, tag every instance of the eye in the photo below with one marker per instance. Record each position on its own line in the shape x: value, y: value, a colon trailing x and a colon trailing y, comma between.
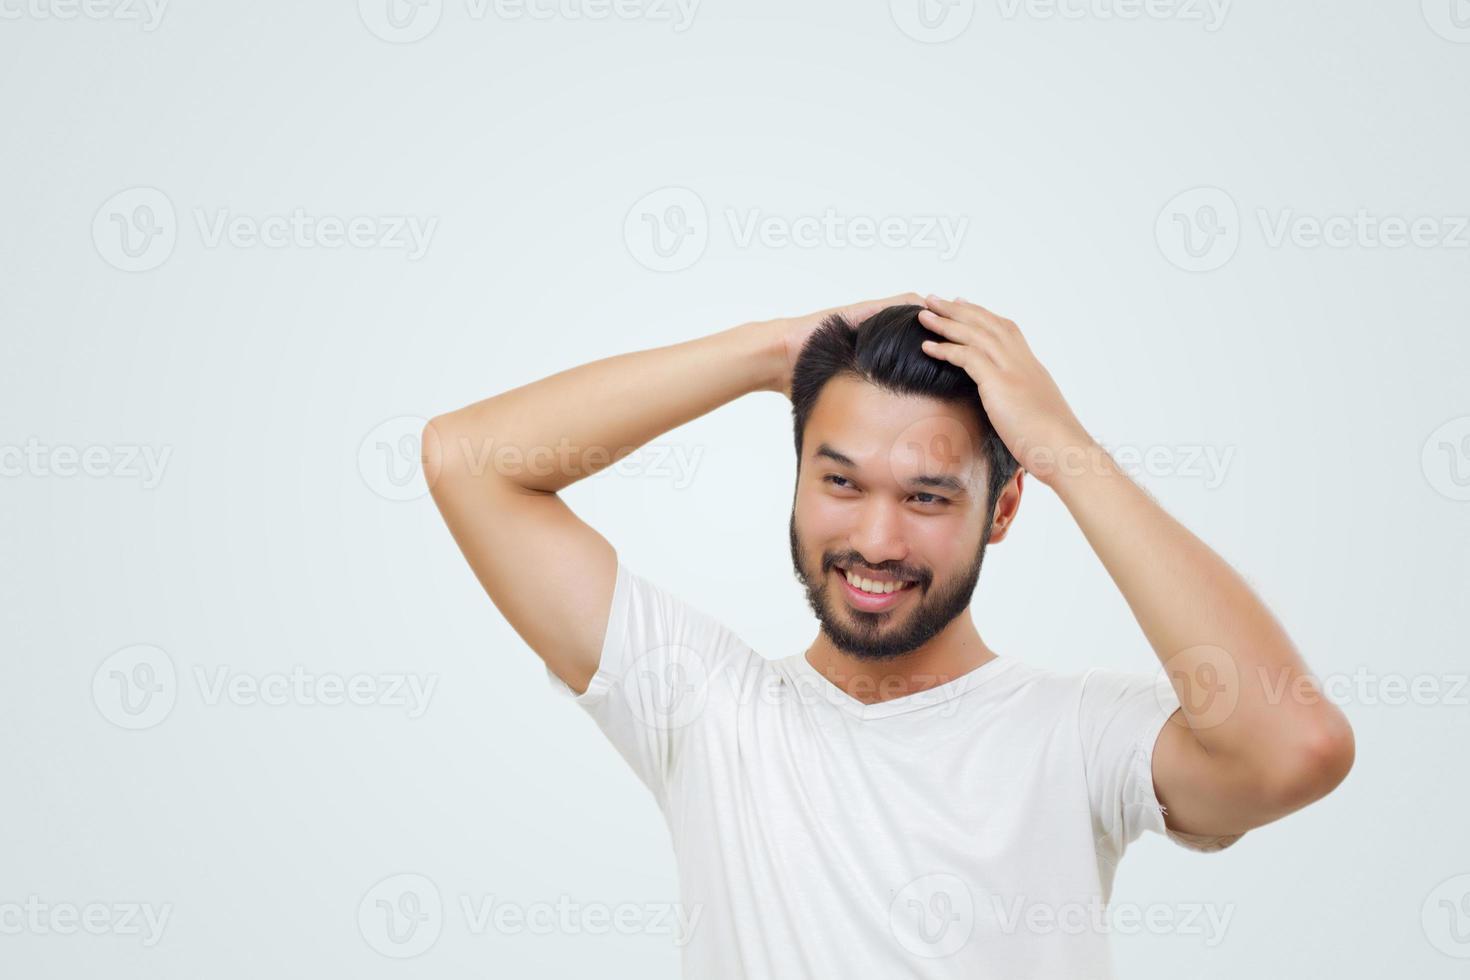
x: 933, y: 498
x: 838, y: 481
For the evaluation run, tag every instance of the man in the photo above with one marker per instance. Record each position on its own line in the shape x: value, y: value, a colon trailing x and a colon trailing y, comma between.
x: 898, y: 800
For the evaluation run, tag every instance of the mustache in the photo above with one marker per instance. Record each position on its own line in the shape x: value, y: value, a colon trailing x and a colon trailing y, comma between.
x: 857, y: 566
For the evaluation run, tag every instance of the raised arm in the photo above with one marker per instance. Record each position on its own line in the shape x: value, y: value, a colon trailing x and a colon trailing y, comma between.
x: 1261, y: 741
x: 495, y: 468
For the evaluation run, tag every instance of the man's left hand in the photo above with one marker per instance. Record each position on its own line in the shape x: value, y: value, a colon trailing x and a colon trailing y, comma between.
x: 1023, y: 402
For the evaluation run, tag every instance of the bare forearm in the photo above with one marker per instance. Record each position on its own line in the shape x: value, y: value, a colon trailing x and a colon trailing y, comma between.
x: 550, y: 433
x: 1239, y: 678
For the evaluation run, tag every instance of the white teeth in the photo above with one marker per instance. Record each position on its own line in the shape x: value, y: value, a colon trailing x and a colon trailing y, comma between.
x: 868, y: 585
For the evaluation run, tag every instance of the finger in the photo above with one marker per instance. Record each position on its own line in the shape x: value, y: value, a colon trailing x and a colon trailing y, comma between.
x: 952, y: 329
x: 965, y: 311
x: 973, y: 360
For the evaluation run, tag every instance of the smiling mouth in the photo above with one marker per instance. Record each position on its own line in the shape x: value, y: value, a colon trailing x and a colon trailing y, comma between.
x: 870, y: 595
x: 872, y: 586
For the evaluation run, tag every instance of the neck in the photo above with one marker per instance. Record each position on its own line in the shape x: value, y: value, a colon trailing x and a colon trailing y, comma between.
x: 954, y: 651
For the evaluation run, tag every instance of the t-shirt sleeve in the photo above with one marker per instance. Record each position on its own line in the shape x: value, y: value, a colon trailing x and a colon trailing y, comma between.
x: 661, y: 660
x: 1120, y: 718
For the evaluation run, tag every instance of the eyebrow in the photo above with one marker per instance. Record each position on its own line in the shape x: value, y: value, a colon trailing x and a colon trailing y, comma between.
x: 942, y: 481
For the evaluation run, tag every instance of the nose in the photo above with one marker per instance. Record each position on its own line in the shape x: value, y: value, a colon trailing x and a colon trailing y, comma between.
x: 878, y: 536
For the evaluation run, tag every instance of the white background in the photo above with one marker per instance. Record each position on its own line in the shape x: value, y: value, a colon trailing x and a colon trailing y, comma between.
x: 274, y: 536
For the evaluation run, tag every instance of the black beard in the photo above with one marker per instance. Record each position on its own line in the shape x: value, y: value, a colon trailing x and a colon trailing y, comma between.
x: 867, y: 640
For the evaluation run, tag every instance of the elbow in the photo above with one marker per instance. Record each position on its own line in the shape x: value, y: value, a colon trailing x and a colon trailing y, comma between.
x: 436, y: 456
x: 1317, y: 768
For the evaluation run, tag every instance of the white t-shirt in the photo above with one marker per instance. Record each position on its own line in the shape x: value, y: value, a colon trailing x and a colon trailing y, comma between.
x: 968, y: 830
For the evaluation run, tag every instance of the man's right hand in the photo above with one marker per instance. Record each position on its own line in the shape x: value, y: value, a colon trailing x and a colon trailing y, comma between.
x: 792, y: 332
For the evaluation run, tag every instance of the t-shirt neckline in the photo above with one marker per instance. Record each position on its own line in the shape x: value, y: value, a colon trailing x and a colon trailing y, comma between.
x: 928, y: 698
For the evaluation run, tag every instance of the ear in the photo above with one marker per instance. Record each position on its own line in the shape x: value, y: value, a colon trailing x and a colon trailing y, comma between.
x: 1006, y: 506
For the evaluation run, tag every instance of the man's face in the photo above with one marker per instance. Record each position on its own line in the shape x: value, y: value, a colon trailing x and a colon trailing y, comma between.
x: 893, y: 488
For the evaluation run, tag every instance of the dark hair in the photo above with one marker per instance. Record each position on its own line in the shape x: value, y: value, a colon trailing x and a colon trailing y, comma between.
x: 884, y: 351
